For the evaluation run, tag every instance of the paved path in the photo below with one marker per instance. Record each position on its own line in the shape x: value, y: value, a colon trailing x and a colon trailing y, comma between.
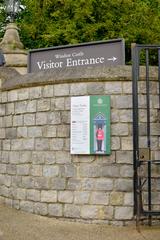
x: 17, y: 225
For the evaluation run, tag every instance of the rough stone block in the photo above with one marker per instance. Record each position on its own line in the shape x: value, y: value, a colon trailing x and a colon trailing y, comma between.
x: 11, y: 133
x: 67, y: 103
x: 119, y: 129
x: 28, y: 144
x: 58, y: 104
x: 31, y: 106
x: 126, y: 171
x: 41, y: 183
x: 40, y: 208
x: 41, y: 144
x: 78, y: 89
x: 124, y: 185
x: 74, y: 184
x: 8, y: 121
x: 11, y: 169
x: 49, y: 131
x: 38, y: 157
x: 3, y: 168
x: 65, y: 196
x: 88, y: 184
x: 63, y: 157
x: 116, y: 198
x: 71, y: 211
x: 95, y: 88
x: 29, y: 119
x: 128, y: 199
x: 25, y: 157
x: 123, y: 213
x: 48, y: 91
x: 107, y: 213
x: 103, y: 184
x: 43, y: 105
x: 68, y: 170
x: 18, y: 120
x: 21, y: 194
x: 3, y: 133
x: 54, y: 118
x: 14, y: 157
x: 63, y: 131
x: 99, y: 198
x: 23, y: 170
x: 120, y: 101
x: 23, y: 94
x: 110, y: 171
x: 124, y: 157
x: 61, y: 90
x: 50, y: 171
x: 10, y: 108
x: 20, y: 107
x: 36, y: 170
x: 89, y: 212
x: 66, y: 117
x: 34, y: 132
x: 57, y: 144
x: 26, y: 206
x: 49, y: 157
x: 55, y: 210
x: 90, y: 170
x: 67, y: 144
x: 6, y: 145
x: 115, y: 143
x: 17, y: 181
x: 22, y: 132
x: 12, y: 96
x: 27, y: 182
x: 81, y: 197
x: 58, y: 183
x: 113, y: 87
x: 4, y: 97
x: 4, y: 191
x: 49, y: 196
x: 41, y: 118
x: 33, y: 195
x: 2, y: 110
x: 127, y: 143
x: 127, y: 87
x: 35, y: 92
x: 125, y: 115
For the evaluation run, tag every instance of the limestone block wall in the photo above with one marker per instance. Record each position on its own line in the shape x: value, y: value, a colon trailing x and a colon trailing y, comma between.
x: 37, y: 172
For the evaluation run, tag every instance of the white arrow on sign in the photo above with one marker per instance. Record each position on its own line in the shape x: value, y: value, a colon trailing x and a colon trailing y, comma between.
x: 112, y: 59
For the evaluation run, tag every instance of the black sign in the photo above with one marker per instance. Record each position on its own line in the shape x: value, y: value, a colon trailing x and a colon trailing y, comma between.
x: 106, y: 53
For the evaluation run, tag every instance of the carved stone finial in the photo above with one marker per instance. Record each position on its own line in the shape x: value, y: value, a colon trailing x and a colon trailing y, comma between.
x: 11, y: 40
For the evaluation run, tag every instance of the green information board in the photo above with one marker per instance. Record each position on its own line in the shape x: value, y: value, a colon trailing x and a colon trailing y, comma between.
x: 90, y: 125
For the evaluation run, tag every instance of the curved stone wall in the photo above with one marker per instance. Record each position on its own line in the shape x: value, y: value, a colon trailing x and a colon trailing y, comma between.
x: 37, y: 172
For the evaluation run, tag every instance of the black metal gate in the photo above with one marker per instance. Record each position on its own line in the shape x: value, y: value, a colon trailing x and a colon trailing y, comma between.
x: 146, y: 132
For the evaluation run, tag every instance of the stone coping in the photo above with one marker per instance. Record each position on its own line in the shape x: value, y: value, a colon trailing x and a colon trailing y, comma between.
x: 11, y: 79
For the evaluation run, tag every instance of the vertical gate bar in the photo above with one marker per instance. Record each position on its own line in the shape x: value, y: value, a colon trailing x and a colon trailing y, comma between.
x: 159, y: 76
x: 135, y: 77
x: 148, y: 133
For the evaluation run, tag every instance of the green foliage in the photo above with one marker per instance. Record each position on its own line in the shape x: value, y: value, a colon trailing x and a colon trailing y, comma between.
x: 46, y: 23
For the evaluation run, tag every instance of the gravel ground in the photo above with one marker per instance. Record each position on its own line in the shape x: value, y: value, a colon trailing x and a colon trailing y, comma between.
x: 17, y: 225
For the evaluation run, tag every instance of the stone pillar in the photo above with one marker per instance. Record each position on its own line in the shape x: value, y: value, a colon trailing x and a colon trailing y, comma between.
x: 12, y: 47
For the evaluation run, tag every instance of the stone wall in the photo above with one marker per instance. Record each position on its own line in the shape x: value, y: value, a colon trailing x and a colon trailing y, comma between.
x: 37, y: 172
